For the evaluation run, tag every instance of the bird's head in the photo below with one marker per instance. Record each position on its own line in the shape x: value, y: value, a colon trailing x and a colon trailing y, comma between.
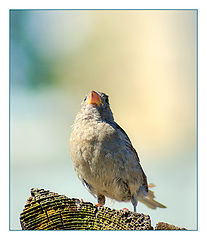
x: 96, y: 105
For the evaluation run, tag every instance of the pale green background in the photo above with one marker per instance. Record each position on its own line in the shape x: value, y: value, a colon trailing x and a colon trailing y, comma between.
x: 146, y: 61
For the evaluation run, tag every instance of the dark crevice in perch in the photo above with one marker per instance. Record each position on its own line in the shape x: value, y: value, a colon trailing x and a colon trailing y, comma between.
x: 46, y: 210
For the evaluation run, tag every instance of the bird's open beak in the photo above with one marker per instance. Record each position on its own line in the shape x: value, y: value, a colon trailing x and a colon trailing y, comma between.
x: 94, y: 98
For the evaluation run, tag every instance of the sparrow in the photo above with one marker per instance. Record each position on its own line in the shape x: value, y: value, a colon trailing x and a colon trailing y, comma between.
x: 103, y: 156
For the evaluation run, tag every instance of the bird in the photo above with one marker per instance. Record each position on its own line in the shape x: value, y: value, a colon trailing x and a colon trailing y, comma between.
x: 103, y: 156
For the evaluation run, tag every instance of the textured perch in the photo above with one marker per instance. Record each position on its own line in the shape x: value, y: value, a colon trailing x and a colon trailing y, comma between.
x: 166, y: 226
x: 45, y: 210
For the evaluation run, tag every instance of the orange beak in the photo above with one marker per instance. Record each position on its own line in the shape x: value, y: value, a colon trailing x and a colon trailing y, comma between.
x: 94, y: 98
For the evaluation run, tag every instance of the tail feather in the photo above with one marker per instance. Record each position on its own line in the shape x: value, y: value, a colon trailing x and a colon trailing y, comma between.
x: 149, y: 200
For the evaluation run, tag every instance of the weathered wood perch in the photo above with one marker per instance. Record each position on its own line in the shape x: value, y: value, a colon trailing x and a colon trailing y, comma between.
x: 45, y: 210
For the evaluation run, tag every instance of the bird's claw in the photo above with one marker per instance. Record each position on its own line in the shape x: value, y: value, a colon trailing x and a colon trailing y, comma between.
x: 126, y: 209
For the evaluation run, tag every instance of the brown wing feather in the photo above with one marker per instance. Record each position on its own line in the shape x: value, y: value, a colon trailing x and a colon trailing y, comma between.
x: 129, y: 145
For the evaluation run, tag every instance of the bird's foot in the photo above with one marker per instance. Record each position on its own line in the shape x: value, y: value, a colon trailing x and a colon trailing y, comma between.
x: 126, y: 209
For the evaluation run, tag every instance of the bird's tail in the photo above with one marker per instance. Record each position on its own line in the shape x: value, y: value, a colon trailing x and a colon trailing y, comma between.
x: 149, y: 201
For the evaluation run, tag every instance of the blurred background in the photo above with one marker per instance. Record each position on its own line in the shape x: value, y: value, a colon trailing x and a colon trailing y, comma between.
x: 145, y: 60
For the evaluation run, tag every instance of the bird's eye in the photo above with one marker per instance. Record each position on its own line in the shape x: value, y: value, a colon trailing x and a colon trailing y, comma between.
x: 107, y: 99
x: 85, y: 99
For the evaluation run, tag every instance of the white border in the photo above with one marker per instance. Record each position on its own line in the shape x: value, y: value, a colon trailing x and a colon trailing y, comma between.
x: 4, y: 101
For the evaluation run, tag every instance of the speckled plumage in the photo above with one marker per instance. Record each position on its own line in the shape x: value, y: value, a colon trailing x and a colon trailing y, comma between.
x: 104, y: 158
